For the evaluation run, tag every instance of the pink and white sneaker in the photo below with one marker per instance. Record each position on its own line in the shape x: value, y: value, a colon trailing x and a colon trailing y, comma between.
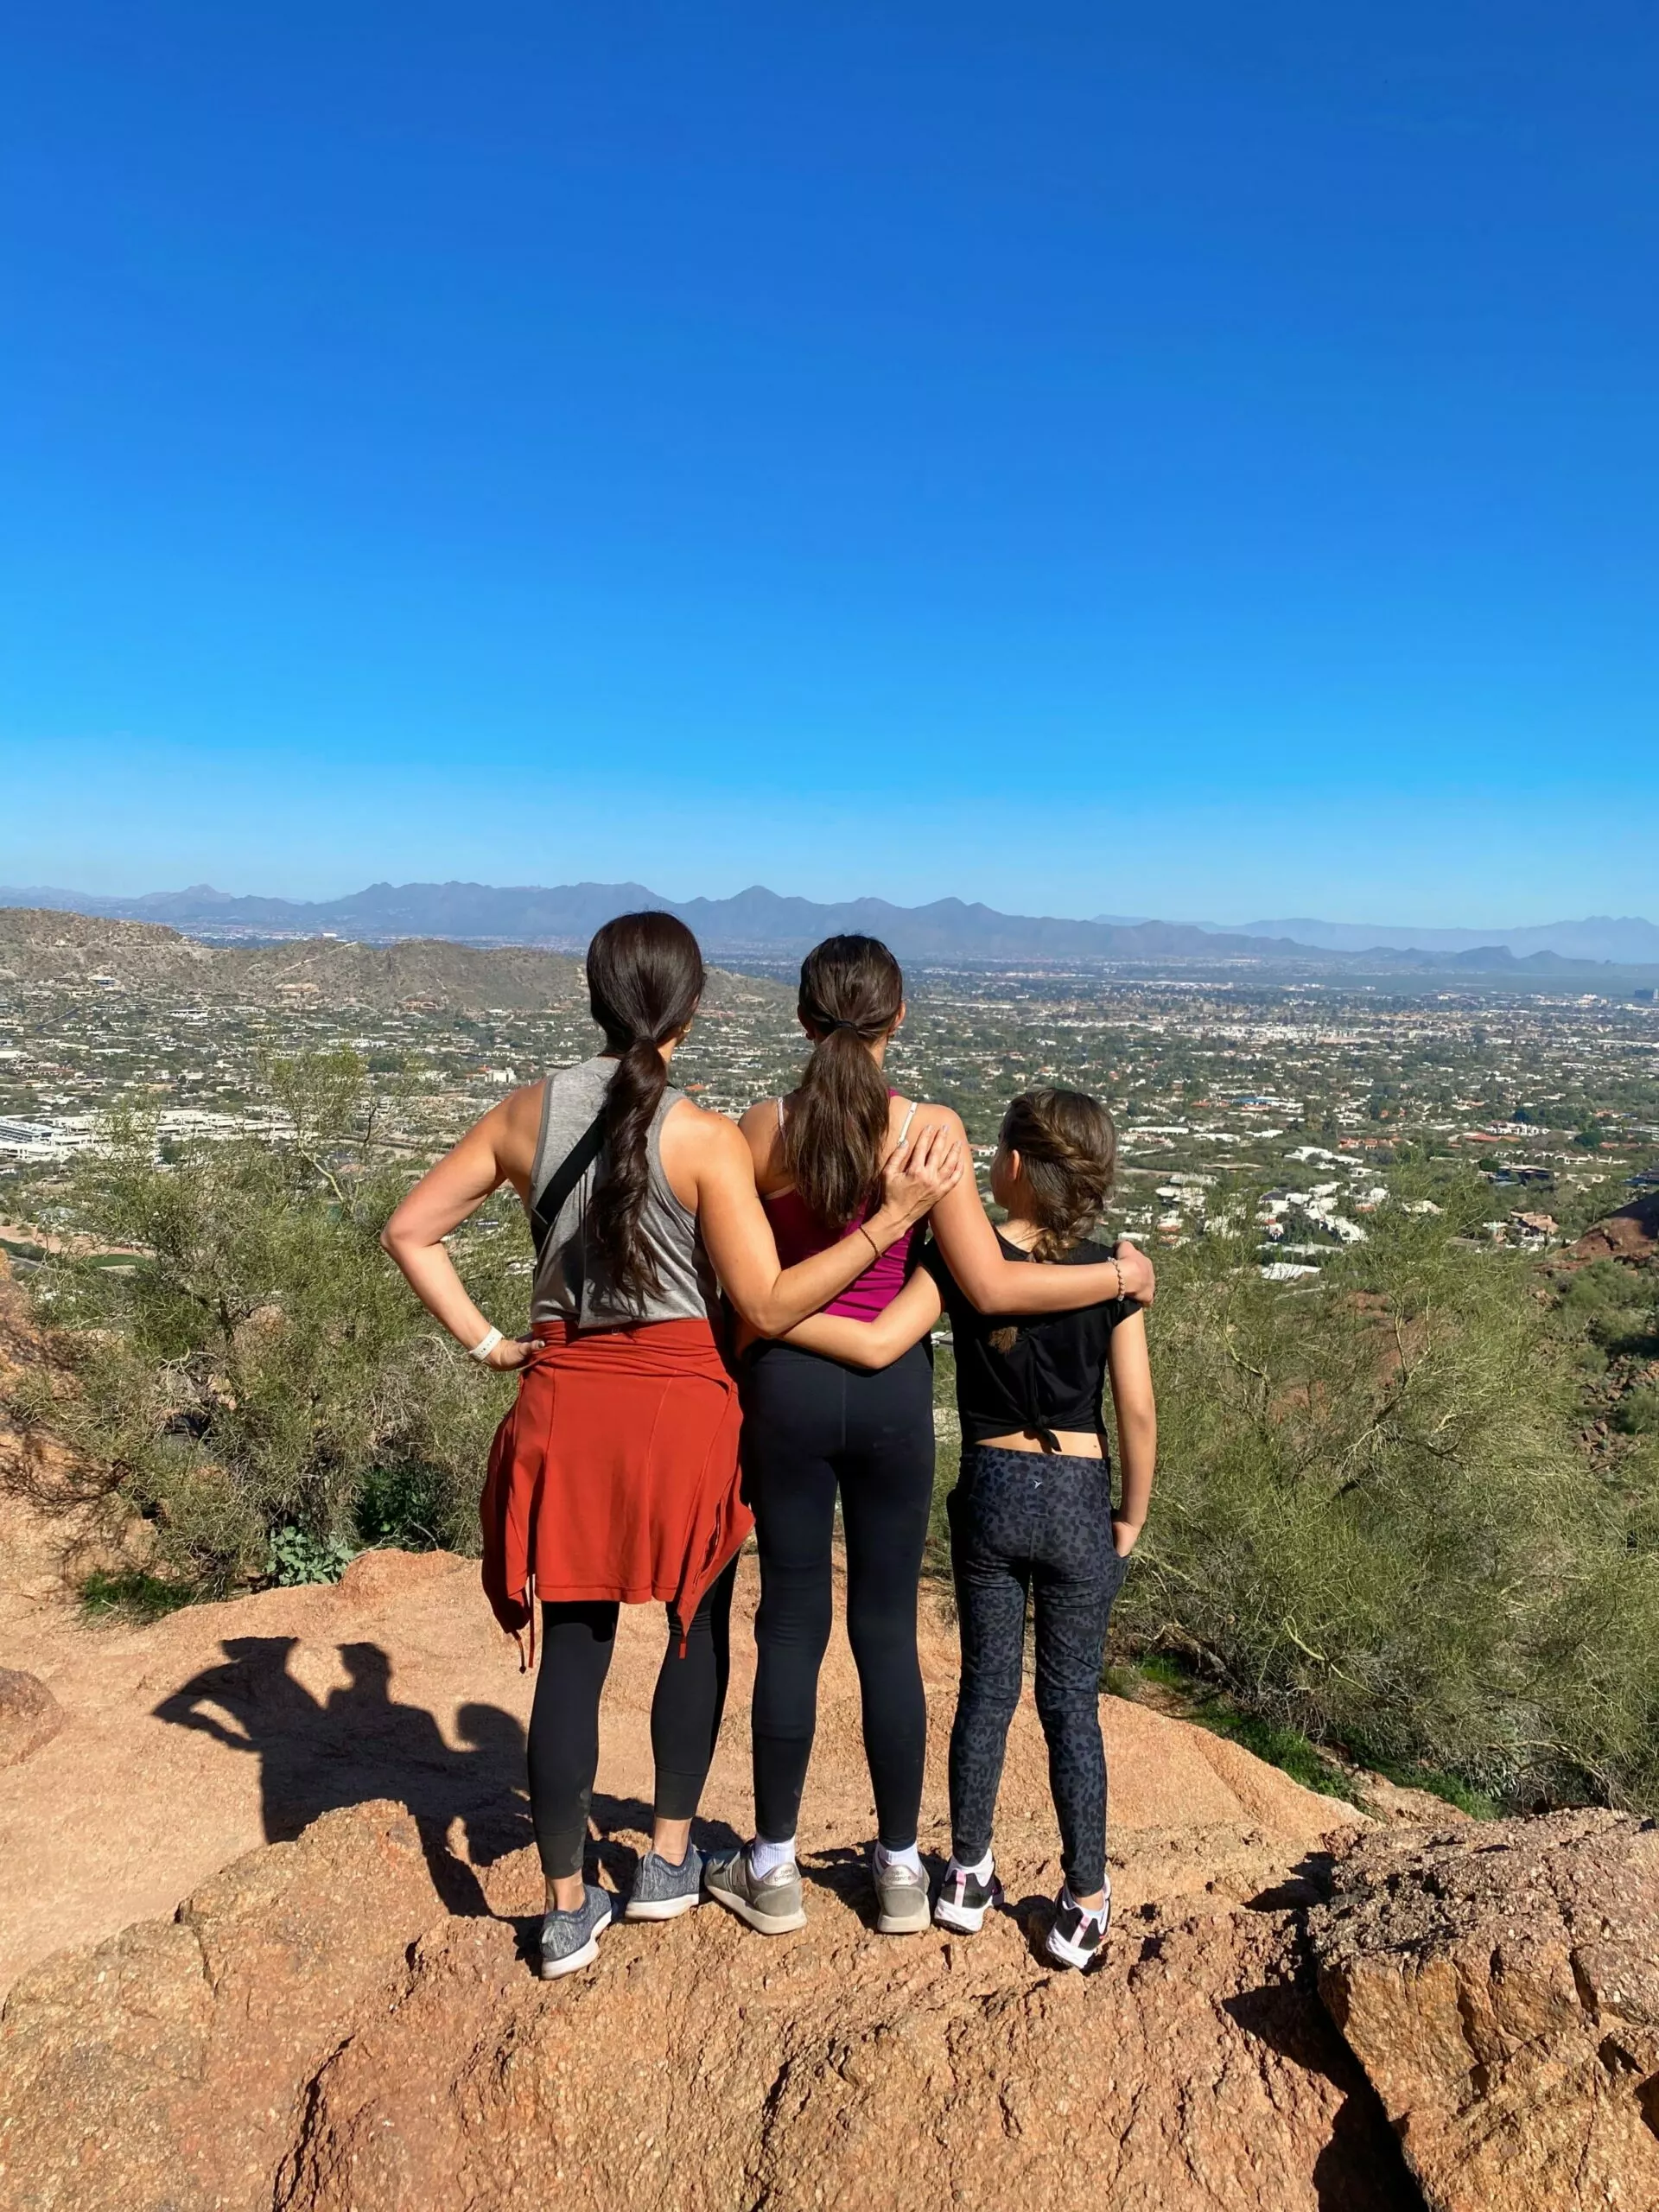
x: 964, y: 1900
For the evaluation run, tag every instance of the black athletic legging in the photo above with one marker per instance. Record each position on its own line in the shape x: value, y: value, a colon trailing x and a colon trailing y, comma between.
x: 685, y: 1712
x: 811, y: 1427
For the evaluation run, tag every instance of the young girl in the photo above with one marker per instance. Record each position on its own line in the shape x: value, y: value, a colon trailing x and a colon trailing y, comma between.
x: 1031, y: 1513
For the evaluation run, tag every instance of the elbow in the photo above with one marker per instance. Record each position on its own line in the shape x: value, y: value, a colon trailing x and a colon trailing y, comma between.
x: 766, y: 1320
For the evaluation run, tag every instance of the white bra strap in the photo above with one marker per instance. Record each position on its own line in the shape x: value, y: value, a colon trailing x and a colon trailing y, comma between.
x: 780, y: 1118
x: 909, y: 1118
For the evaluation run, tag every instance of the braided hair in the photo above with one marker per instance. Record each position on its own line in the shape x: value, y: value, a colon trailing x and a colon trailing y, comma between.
x: 1068, y: 1152
x: 645, y: 978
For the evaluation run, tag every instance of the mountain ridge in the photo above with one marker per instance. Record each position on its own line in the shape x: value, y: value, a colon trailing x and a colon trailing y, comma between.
x: 761, y: 922
x: 53, y: 946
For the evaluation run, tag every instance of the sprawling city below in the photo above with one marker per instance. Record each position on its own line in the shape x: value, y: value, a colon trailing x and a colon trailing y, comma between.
x: 1292, y: 1106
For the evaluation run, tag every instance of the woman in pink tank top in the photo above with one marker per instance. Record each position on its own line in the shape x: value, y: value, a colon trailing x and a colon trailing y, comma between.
x: 799, y: 1234
x: 818, y: 1433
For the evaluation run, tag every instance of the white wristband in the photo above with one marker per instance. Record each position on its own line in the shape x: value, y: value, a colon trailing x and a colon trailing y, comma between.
x: 485, y: 1345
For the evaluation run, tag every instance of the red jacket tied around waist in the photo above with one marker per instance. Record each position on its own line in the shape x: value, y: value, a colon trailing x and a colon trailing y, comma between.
x: 615, y: 1474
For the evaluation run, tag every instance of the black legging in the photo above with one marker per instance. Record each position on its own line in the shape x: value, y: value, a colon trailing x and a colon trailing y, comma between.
x: 685, y: 1712
x: 809, y: 1427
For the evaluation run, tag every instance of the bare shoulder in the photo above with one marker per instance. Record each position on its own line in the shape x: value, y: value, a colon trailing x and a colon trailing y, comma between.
x: 524, y: 1106
x: 763, y: 1133
x: 512, y: 1126
x: 759, y: 1127
x: 701, y: 1134
x: 701, y: 1147
x: 929, y: 1116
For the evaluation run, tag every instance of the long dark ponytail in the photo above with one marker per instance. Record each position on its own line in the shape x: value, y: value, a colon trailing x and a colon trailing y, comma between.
x: 645, y: 978
x: 852, y: 994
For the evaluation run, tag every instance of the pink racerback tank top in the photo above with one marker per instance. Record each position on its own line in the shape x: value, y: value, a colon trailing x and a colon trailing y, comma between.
x: 798, y: 1234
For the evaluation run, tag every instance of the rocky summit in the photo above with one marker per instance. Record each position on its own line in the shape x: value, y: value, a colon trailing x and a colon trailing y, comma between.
x: 1300, y: 2008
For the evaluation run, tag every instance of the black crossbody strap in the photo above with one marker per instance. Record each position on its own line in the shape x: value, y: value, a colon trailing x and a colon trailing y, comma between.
x: 564, y: 1179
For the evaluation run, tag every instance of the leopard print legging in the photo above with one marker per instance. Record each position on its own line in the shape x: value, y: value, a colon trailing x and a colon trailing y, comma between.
x: 1040, y: 1523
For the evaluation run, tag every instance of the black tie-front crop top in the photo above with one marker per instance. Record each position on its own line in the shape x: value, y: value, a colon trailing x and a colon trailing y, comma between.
x: 1029, y: 1373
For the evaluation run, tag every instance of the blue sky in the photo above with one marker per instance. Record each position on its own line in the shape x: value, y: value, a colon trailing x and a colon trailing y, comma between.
x: 1181, y: 459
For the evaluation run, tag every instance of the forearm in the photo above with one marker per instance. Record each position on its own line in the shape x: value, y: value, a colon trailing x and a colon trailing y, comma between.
x: 431, y: 1275
x: 832, y: 1336
x: 773, y: 1308
x: 1137, y: 1451
x: 999, y: 1285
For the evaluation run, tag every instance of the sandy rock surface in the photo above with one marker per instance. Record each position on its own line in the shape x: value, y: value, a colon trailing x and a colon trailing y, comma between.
x: 341, y: 2012
x: 1500, y: 1983
x: 185, y: 1742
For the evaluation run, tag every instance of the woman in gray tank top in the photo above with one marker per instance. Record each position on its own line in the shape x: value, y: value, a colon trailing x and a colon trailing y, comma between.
x: 614, y: 1478
x: 572, y: 1281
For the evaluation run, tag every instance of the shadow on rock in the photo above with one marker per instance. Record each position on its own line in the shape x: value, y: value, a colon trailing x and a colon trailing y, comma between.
x: 1361, y: 2168
x: 317, y: 1754
x: 1307, y: 1883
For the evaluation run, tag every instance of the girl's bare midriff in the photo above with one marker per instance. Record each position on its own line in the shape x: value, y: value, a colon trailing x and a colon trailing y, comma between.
x: 1074, y: 1443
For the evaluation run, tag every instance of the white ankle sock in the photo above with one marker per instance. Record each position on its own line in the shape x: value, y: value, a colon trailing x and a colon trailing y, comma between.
x: 909, y: 1857
x: 1089, y: 1911
x: 980, y: 1872
x: 765, y: 1857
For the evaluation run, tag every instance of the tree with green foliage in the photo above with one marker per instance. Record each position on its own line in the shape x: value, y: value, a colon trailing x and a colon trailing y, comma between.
x: 257, y: 1383
x: 1373, y: 1522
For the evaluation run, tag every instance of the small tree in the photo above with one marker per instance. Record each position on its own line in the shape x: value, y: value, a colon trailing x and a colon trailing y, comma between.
x: 260, y: 1367
x: 1373, y: 1522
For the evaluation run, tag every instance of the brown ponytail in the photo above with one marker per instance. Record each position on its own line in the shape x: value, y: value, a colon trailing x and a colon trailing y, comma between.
x: 852, y: 994
x: 645, y: 978
x: 1068, y: 1151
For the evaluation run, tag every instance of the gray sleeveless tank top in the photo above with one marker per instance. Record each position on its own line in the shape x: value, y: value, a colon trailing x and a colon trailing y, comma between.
x: 570, y: 1284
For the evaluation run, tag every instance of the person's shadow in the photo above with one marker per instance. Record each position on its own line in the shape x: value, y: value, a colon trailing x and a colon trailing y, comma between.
x: 317, y: 1754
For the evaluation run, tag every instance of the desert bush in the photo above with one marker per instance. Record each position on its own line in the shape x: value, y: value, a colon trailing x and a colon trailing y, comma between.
x: 1372, y: 1522
x: 259, y: 1383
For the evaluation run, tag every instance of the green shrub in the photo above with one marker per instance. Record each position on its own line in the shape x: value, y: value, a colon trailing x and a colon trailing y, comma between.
x: 297, y: 1557
x: 261, y: 1373
x: 1372, y: 1525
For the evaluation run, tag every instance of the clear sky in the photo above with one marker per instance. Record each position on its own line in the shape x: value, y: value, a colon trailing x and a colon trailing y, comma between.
x: 1182, y: 459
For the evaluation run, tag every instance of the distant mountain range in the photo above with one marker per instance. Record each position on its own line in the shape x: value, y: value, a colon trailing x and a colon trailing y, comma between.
x: 1625, y: 938
x: 761, y: 923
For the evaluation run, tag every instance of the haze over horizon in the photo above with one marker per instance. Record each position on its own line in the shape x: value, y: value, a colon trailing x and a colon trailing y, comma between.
x: 1094, y: 463
x: 759, y: 915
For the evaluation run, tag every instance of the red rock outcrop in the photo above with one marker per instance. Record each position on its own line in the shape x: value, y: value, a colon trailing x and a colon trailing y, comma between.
x: 1500, y: 1984
x: 347, y: 2018
x: 315, y: 2032
x: 1632, y: 1233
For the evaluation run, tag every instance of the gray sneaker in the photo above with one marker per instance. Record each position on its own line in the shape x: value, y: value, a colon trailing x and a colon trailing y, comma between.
x: 770, y: 1902
x: 663, y: 1890
x: 901, y: 1899
x: 571, y: 1940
